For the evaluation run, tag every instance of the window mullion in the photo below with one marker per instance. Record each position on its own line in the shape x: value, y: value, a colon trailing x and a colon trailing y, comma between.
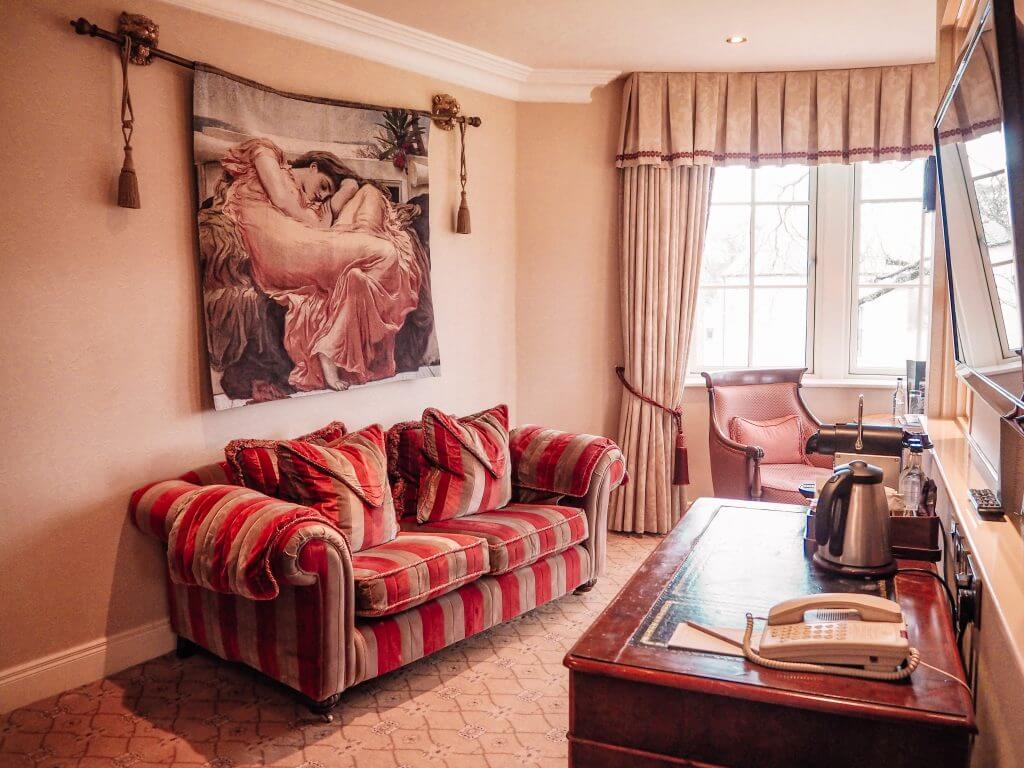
x: 751, y: 279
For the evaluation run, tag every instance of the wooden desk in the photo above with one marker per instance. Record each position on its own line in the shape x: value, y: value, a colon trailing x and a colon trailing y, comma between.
x: 634, y: 702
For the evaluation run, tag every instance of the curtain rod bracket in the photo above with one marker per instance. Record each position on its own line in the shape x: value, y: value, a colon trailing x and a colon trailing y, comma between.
x: 446, y: 113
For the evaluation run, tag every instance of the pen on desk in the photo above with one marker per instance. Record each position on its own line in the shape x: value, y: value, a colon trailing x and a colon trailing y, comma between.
x: 713, y: 633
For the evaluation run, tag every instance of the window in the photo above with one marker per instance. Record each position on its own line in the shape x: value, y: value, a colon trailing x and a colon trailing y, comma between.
x: 893, y: 248
x: 986, y: 161
x: 756, y: 273
x: 824, y: 267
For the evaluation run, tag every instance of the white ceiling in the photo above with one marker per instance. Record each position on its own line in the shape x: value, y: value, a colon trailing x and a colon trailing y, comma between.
x: 630, y: 35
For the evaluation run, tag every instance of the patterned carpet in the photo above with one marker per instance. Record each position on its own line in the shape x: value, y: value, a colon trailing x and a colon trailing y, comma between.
x: 496, y: 700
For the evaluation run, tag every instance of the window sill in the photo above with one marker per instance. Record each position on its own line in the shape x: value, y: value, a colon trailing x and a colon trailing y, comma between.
x: 813, y: 382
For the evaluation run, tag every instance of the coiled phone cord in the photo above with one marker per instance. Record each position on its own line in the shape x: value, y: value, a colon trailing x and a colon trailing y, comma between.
x: 752, y: 656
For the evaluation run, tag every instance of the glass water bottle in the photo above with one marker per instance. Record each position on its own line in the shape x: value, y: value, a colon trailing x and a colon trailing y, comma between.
x: 912, y: 481
x: 899, y: 399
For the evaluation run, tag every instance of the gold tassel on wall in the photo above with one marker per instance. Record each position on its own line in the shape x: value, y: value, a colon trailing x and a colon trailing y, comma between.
x: 445, y: 114
x: 127, y: 182
x: 462, y: 225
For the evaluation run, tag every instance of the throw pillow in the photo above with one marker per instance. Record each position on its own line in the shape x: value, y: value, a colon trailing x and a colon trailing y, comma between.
x: 346, y: 482
x: 468, y: 464
x: 406, y: 463
x: 781, y: 438
x: 254, y: 462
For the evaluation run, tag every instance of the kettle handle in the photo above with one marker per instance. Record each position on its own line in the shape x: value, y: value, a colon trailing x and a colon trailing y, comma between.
x: 835, y: 488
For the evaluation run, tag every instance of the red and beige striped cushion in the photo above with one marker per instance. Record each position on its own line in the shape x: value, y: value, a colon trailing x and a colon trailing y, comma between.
x: 518, y: 534
x: 560, y: 462
x: 254, y: 462
x: 347, y: 483
x: 406, y: 464
x: 468, y: 464
x: 414, y: 568
x: 389, y: 643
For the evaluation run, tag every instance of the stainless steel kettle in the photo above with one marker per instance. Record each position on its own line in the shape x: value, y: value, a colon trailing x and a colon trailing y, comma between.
x: 851, y: 523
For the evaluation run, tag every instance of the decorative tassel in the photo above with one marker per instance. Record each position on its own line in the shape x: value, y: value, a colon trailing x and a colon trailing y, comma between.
x: 128, y: 183
x: 462, y: 220
x: 681, y: 465
x: 462, y: 226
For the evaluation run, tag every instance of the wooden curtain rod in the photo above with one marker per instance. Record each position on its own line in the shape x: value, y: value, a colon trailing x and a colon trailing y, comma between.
x: 445, y: 113
x: 84, y: 27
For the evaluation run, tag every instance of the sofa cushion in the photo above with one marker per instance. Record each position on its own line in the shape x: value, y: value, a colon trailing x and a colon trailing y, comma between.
x: 406, y: 464
x: 780, y: 482
x: 388, y: 643
x: 469, y: 468
x: 519, y: 534
x: 414, y: 568
x: 254, y: 462
x: 347, y: 483
x: 781, y: 438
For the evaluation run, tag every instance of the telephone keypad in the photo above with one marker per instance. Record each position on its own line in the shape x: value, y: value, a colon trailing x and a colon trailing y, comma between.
x: 803, y: 632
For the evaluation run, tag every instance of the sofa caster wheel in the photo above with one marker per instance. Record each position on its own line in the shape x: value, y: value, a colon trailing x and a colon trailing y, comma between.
x: 323, y: 708
x: 585, y: 587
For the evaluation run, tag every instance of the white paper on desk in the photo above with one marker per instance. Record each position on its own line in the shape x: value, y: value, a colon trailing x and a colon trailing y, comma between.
x: 688, y: 638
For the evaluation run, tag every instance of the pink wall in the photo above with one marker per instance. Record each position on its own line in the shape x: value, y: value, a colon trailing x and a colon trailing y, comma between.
x: 102, y: 369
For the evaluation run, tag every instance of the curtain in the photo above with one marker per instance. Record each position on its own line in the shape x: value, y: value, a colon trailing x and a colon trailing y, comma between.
x: 664, y: 213
x: 744, y: 118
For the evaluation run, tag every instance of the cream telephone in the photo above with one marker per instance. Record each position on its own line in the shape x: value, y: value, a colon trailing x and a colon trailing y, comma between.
x: 851, y: 635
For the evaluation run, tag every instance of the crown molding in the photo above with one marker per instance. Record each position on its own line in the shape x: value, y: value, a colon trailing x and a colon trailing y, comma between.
x: 332, y: 25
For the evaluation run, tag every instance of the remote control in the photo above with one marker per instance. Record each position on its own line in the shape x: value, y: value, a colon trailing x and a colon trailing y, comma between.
x: 986, y: 501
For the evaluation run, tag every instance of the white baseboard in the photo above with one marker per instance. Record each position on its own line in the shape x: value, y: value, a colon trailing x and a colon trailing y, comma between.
x: 85, y: 663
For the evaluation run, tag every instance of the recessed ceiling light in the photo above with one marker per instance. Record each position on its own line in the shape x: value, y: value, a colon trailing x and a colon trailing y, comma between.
x: 736, y: 39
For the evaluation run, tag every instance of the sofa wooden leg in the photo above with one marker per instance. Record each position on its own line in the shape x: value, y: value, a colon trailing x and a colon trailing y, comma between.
x: 323, y: 708
x: 185, y: 648
x: 585, y: 587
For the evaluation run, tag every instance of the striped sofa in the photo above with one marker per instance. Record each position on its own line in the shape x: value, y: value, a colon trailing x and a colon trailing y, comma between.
x: 273, y: 585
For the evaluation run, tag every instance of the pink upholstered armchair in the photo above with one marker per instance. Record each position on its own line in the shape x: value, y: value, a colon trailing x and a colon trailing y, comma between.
x: 743, y: 470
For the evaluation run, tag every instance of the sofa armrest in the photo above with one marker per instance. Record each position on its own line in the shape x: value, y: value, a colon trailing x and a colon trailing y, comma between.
x: 607, y: 477
x: 242, y: 543
x: 555, y: 462
x: 231, y: 539
x: 584, y: 469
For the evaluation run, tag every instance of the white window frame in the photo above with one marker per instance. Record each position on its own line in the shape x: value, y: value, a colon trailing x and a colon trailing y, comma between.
x: 853, y: 270
x: 832, y: 285
x: 750, y: 286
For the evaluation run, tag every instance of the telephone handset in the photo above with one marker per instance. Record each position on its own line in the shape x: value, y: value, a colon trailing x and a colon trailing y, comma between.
x: 835, y: 644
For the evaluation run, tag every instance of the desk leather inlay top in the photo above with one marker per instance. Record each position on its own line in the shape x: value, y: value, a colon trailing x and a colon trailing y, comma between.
x: 725, y: 558
x: 742, y: 562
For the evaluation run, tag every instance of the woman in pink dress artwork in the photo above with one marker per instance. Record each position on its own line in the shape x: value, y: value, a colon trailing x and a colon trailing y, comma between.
x: 334, y: 251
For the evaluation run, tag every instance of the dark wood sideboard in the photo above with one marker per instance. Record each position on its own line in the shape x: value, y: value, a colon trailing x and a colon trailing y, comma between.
x: 635, y: 702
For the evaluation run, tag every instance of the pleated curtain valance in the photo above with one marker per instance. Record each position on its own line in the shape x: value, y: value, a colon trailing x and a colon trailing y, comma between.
x: 775, y: 118
x: 975, y: 109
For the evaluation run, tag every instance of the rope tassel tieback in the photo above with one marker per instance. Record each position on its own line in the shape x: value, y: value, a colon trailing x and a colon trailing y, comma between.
x: 680, y: 459
x: 127, y: 181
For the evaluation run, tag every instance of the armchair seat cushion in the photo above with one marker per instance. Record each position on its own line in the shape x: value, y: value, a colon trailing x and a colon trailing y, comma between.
x: 519, y: 534
x: 414, y: 568
x: 780, y: 482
